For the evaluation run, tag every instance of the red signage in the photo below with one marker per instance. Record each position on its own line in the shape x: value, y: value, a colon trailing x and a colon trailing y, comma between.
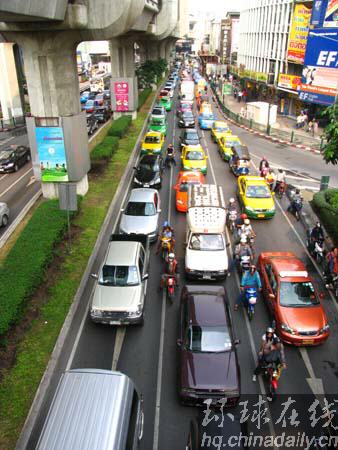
x: 121, y: 90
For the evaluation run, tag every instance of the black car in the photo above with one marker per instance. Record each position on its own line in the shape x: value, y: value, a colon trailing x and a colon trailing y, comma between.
x: 186, y: 119
x: 92, y: 124
x: 189, y: 137
x: 149, y: 172
x: 12, y: 158
x: 102, y: 114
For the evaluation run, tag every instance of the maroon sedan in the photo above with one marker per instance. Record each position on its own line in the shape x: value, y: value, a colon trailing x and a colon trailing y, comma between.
x: 207, y: 349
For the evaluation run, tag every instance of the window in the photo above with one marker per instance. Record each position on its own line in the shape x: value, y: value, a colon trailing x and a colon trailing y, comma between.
x: 194, y: 156
x: 297, y: 294
x: 152, y: 139
x: 119, y: 276
x: 206, y: 242
x: 156, y: 201
x: 140, y: 265
x: 208, y: 339
x: 260, y: 191
x: 140, y: 209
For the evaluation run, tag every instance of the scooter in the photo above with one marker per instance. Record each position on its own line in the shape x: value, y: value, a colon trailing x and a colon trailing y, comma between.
x: 251, y: 299
x: 316, y: 248
x: 166, y: 247
x: 272, y: 373
x: 171, y: 285
x: 295, y: 207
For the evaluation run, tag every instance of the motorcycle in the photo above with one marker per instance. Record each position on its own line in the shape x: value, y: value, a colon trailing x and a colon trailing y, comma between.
x: 272, y: 372
x: 166, y: 247
x: 231, y: 220
x: 280, y: 189
x: 331, y: 282
x: 315, y: 248
x: 295, y: 207
x: 170, y: 282
x: 171, y: 267
x: 251, y: 299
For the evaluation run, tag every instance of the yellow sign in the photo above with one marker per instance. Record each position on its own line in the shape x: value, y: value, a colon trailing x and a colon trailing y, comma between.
x: 289, y: 81
x: 298, y: 33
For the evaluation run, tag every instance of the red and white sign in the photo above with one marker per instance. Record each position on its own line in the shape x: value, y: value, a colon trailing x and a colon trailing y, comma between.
x: 121, y: 91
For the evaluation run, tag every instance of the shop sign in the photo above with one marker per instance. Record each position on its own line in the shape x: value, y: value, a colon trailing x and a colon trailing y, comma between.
x: 298, y: 33
x: 289, y: 81
x: 325, y: 14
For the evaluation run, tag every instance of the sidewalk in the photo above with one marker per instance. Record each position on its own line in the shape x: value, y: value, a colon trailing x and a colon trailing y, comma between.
x: 284, y: 129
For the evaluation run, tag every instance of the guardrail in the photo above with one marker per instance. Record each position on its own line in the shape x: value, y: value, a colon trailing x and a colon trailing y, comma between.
x: 291, y: 136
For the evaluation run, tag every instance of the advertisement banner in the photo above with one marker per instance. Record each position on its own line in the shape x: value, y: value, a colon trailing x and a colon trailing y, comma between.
x: 52, y: 155
x: 289, y: 81
x: 318, y: 13
x: 121, y: 92
x: 320, y: 72
x: 234, y: 35
x: 331, y: 14
x: 325, y: 14
x: 298, y: 33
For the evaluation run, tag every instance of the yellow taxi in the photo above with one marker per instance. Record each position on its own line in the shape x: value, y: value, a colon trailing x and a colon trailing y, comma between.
x: 255, y: 197
x: 152, y: 143
x: 225, y: 144
x: 219, y: 129
x: 194, y: 158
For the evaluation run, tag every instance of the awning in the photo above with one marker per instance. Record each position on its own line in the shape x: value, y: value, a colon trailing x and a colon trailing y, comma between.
x: 290, y: 91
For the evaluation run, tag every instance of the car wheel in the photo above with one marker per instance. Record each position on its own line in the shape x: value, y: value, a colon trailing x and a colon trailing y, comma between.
x: 16, y: 168
x: 4, y: 221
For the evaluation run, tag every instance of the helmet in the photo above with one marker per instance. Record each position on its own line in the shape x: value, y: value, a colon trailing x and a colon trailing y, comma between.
x: 244, y: 216
x: 171, y: 256
x: 270, y: 330
x: 165, y: 224
x: 318, y: 224
x: 246, y: 221
x: 231, y: 200
x: 243, y: 240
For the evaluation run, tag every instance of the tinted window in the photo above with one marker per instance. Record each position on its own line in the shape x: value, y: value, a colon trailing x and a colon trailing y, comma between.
x: 152, y: 140
x: 140, y: 209
x: 193, y: 155
x: 184, y: 186
x: 298, y: 294
x: 152, y: 166
x: 191, y: 135
x: 208, y: 339
x: 119, y: 276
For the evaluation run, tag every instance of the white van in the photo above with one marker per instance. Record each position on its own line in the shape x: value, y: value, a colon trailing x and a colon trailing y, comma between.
x: 93, y: 409
x: 187, y: 90
x: 206, y: 248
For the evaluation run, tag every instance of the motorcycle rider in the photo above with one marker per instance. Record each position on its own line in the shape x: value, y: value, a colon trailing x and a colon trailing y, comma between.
x: 250, y: 278
x: 271, y: 349
x: 270, y: 179
x: 171, y: 263
x: 316, y: 235
x: 263, y: 163
x: 296, y: 201
x: 167, y: 233
x: 280, y: 178
x: 246, y: 229
x: 231, y: 207
x: 170, y: 156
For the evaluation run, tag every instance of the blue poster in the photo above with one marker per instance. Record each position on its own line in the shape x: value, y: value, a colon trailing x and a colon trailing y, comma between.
x: 318, y: 13
x: 52, y: 154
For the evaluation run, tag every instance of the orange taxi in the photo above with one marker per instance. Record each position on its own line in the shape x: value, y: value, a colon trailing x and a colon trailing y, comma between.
x: 292, y: 299
x: 181, y: 187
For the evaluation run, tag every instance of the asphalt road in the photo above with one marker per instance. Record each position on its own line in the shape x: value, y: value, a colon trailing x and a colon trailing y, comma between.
x: 148, y: 354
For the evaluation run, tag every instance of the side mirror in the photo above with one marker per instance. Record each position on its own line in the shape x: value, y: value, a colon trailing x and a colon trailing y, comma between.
x: 237, y: 342
x: 122, y: 209
x: 179, y: 342
x: 272, y: 297
x: 145, y: 276
x: 94, y: 275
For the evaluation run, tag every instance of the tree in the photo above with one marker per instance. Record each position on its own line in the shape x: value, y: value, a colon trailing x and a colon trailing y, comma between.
x: 151, y: 71
x: 331, y: 134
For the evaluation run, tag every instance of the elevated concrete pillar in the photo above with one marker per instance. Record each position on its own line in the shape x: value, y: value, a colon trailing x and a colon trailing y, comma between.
x: 162, y: 49
x: 168, y: 50
x: 9, y: 88
x: 152, y: 50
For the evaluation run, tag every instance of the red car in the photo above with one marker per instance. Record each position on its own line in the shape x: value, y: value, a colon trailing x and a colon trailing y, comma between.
x: 181, y: 187
x: 292, y: 299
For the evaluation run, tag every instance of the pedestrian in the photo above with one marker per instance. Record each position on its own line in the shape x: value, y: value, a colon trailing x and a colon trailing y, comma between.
x: 245, y: 95
x: 299, y: 121
x: 314, y: 127
x: 235, y: 93
x: 239, y: 96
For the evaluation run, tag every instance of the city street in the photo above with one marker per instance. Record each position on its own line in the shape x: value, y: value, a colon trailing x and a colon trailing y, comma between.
x: 148, y: 354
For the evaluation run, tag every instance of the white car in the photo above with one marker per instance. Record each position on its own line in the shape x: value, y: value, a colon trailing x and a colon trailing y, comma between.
x: 141, y: 215
x: 4, y: 214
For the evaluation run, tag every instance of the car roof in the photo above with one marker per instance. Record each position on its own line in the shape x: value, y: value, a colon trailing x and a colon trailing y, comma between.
x: 218, y: 123
x: 207, y: 305
x: 153, y: 133
x: 188, y: 175
x: 254, y: 180
x: 288, y: 266
x: 122, y: 253
x: 194, y: 148
x: 142, y: 195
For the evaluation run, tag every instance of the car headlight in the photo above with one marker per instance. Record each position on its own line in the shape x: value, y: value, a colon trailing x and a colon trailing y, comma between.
x: 271, y: 209
x: 287, y: 329
x: 96, y: 312
x: 324, y: 329
x: 10, y: 165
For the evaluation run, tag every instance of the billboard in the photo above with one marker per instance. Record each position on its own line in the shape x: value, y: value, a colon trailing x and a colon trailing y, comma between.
x: 234, y: 35
x: 325, y: 14
x: 52, y: 155
x: 298, y: 33
x: 320, y: 72
x: 289, y: 81
x: 121, y: 92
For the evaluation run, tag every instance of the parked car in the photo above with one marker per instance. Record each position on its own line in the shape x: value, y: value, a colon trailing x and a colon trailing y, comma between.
x: 186, y: 120
x: 158, y: 123
x: 208, y: 360
x: 89, y: 106
x: 166, y: 102
x: 183, y: 106
x: 292, y: 299
x: 102, y: 114
x: 152, y: 143
x: 13, y: 157
x: 141, y: 214
x: 4, y: 214
x: 158, y: 111
x: 92, y: 124
x: 149, y: 172
x: 120, y: 291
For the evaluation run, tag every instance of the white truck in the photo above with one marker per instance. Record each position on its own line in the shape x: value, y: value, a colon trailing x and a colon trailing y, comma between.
x: 187, y: 90
x: 206, y: 248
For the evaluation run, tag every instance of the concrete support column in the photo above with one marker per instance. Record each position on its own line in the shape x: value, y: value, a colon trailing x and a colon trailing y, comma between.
x: 152, y: 50
x: 162, y: 48
x: 129, y: 60
x: 115, y: 57
x: 9, y: 88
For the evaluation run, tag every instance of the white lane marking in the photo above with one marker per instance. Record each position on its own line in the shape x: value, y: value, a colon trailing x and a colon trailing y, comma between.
x: 3, y: 176
x: 15, y: 182
x: 161, y: 347
x: 85, y: 315
x: 6, y: 140
x: 119, y: 338
x: 247, y: 323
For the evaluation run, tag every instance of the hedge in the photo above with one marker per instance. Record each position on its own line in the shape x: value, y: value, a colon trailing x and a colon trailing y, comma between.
x: 143, y: 97
x: 25, y: 265
x: 325, y: 205
x: 120, y: 126
x: 105, y: 149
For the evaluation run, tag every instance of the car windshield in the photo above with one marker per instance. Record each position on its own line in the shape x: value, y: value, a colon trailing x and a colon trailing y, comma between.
x: 151, y: 166
x: 194, y: 155
x: 206, y: 242
x: 220, y: 129
x: 4, y: 154
x: 186, y: 106
x: 165, y: 99
x: 193, y: 136
x: 152, y: 140
x: 157, y: 112
x: 119, y: 276
x: 207, y: 116
x: 188, y: 115
x: 297, y: 294
x: 140, y: 209
x: 157, y: 121
x: 230, y: 143
x: 90, y: 103
x: 258, y: 192
x: 184, y: 186
x: 208, y: 339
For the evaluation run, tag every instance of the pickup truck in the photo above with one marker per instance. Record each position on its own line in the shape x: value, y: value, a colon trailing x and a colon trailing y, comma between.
x: 120, y: 291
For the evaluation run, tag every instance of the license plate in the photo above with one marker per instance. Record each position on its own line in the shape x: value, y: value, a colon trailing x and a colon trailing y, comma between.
x: 206, y: 277
x: 260, y: 215
x: 114, y: 322
x: 308, y: 341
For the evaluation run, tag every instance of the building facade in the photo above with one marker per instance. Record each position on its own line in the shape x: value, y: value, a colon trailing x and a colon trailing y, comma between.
x: 229, y: 39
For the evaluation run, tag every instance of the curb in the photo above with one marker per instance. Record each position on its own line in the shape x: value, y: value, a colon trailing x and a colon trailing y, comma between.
x: 264, y: 135
x: 47, y: 376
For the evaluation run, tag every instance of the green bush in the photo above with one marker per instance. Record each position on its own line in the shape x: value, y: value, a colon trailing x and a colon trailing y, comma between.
x: 105, y: 149
x: 325, y: 205
x: 120, y: 126
x: 25, y: 265
x: 143, y: 97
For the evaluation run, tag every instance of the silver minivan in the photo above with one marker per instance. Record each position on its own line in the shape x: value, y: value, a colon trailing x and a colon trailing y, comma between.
x: 93, y: 409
